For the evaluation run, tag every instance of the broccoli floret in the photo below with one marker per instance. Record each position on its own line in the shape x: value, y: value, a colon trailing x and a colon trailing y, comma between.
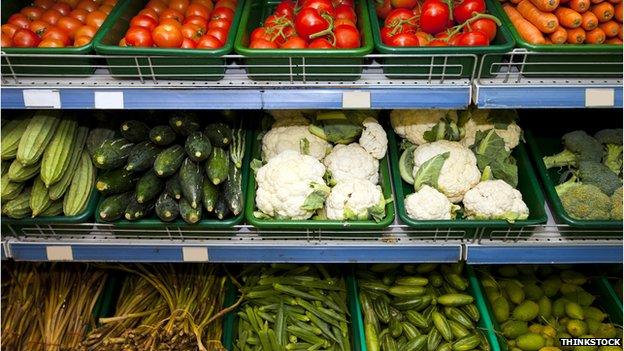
x: 599, y: 175
x: 616, y: 205
x: 562, y: 159
x: 609, y: 136
x: 584, y: 201
x: 579, y: 146
x: 612, y: 140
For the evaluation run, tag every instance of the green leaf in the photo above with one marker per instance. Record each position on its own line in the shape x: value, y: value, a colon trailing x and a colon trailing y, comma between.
x: 489, y: 148
x: 378, y: 212
x: 261, y: 215
x: 349, y: 215
x: 486, y: 174
x: 255, y: 165
x: 317, y: 197
x: 327, y: 177
x: 429, y: 172
x: 501, y: 119
x: 336, y: 127
x: 405, y: 144
x: 445, y: 129
x: 304, y: 146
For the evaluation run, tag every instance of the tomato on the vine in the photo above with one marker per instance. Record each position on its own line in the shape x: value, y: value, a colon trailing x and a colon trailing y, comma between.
x: 473, y: 38
x: 423, y: 38
x: 451, y: 39
x: 167, y: 36
x: 434, y: 16
x: 383, y: 8
x: 294, y: 43
x: 320, y: 43
x: 346, y: 12
x: 486, y: 26
x: 25, y: 38
x: 400, y: 16
x: 262, y: 44
x: 321, y: 6
x: 308, y: 22
x: 285, y: 8
x: 347, y: 37
x: 344, y: 22
x: 260, y: 33
x: 405, y: 39
x: 139, y: 37
x: 466, y: 9
x: 406, y: 4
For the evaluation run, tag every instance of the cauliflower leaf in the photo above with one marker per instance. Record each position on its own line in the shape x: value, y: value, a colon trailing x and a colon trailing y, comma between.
x: 335, y: 127
x: 316, y: 199
x: 429, y: 172
x: 445, y: 129
x: 490, y: 150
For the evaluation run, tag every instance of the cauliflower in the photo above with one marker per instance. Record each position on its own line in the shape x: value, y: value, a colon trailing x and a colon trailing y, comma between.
x: 458, y: 174
x: 429, y: 204
x: 291, y: 121
x: 374, y: 139
x: 501, y: 121
x: 290, y: 186
x: 294, y: 138
x: 495, y: 199
x: 412, y: 124
x: 355, y: 199
x: 352, y: 162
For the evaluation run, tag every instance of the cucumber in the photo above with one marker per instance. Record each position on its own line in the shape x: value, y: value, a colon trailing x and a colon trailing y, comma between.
x: 191, y: 178
x: 135, y: 210
x: 19, y: 207
x: 57, y: 155
x: 77, y: 197
x: 189, y: 214
x: 210, y: 194
x: 198, y: 147
x: 237, y: 149
x: 113, y: 153
x: 9, y: 190
x: 169, y: 161
x: 98, y: 136
x: 406, y: 165
x: 11, y: 134
x: 116, y: 182
x: 142, y: 156
x: 148, y: 187
x: 184, y: 123
x: 39, y: 199
x: 162, y: 135
x: 220, y: 135
x: 113, y: 207
x: 20, y: 173
x: 217, y: 166
x: 58, y: 189
x: 173, y: 187
x: 37, y: 136
x: 221, y: 208
x: 134, y: 131
x: 55, y: 209
x: 167, y: 209
x: 233, y: 191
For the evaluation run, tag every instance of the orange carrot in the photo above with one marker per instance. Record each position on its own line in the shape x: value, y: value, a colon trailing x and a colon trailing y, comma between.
x: 589, y: 21
x: 610, y: 28
x: 614, y: 41
x: 546, y: 5
x: 527, y: 31
x: 568, y: 18
x: 544, y: 21
x: 618, y: 12
x: 579, y: 6
x: 596, y: 36
x: 576, y: 36
x: 604, y: 11
x: 559, y: 36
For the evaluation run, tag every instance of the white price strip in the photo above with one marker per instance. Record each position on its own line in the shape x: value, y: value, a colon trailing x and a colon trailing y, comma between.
x: 195, y: 254
x: 356, y: 99
x: 59, y: 253
x: 599, y: 97
x: 42, y: 98
x: 109, y: 100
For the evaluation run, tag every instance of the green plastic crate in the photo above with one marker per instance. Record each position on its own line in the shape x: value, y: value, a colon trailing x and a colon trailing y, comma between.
x: 462, y: 66
x: 386, y: 188
x: 527, y: 185
x: 39, y: 65
x: 286, y: 64
x: 166, y: 63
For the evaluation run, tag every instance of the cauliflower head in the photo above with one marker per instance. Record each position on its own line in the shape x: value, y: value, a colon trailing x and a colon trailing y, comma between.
x: 429, y: 204
x: 352, y: 162
x: 284, y: 138
x: 503, y: 125
x: 374, y: 138
x: 285, y: 183
x: 458, y: 174
x: 412, y: 124
x: 355, y: 199
x: 495, y: 199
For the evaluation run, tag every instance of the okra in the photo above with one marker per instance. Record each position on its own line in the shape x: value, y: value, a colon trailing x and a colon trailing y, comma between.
x: 294, y: 292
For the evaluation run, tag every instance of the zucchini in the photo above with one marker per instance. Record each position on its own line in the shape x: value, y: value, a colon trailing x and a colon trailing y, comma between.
x: 221, y: 207
x: 134, y: 131
x: 162, y: 135
x: 9, y: 190
x: 113, y: 153
x: 210, y: 193
x: 39, y: 199
x: 148, y: 187
x: 173, y: 187
x: 237, y: 149
x: 116, y: 182
x: 167, y: 209
x: 113, y: 207
x: 55, y: 209
x: 189, y: 214
x: 98, y: 136
x: 233, y: 191
x: 11, y: 136
x: 58, y: 189
x: 57, y: 155
x: 219, y: 134
x: 198, y: 147
x: 184, y: 123
x: 77, y: 197
x: 135, y: 210
x: 191, y: 178
x: 21, y: 173
x: 19, y: 207
x: 169, y: 161
x: 142, y: 156
x: 217, y: 166
x: 37, y: 136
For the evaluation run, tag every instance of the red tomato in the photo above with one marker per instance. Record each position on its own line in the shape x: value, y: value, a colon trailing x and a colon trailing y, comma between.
x: 63, y: 8
x: 222, y: 13
x: 347, y: 37
x: 172, y: 22
x: 149, y: 13
x: 434, y: 16
x: 198, y: 10
x: 51, y: 16
x: 96, y: 18
x: 486, y: 26
x: 207, y: 3
x: 179, y: 5
x: 386, y: 35
x: 9, y: 29
x: 423, y: 38
x: 308, y: 21
x: 70, y: 25
x: 451, y: 41
x: 172, y: 14
x: 87, y: 5
x: 294, y: 43
x: 139, y: 37
x: 230, y: 4
x: 219, y: 24
x: 187, y: 44
x: 32, y: 12
x: 320, y: 43
x: 200, y: 21
x: 39, y: 27
x: 122, y: 42
x: 285, y: 8
x: 208, y: 42
x: 7, y: 42
x: 473, y: 38
x: 276, y: 21
x: 83, y: 40
x: 50, y: 43
x: 346, y: 12
x: 57, y: 34
x: 106, y: 9
x: 466, y: 9
x: 400, y: 16
x: 343, y: 2
x: 260, y: 33
x: 438, y: 42
x: 344, y: 22
x: 406, y: 4
x: 157, y: 5
x: 44, y: 4
x: 19, y: 20
x: 322, y: 6
x: 86, y: 31
x: 218, y: 33
x: 192, y: 31
x: 167, y: 36
x: 405, y: 39
x: 25, y: 38
x: 79, y: 14
x: 143, y: 21
x: 262, y: 44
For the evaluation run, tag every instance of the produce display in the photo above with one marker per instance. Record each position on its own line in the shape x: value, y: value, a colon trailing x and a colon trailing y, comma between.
x: 56, y: 24
x: 460, y: 157
x: 537, y: 305
x: 567, y: 22
x: 45, y: 169
x: 309, y: 24
x: 591, y: 185
x: 194, y: 24
x: 293, y: 307
x: 436, y: 23
x: 175, y: 168
x: 48, y: 307
x: 321, y: 165
x: 419, y: 307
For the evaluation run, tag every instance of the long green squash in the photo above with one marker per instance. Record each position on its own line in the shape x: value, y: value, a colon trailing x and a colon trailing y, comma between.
x: 39, y: 198
x: 20, y: 173
x: 18, y: 208
x: 58, y: 189
x: 57, y: 155
x: 9, y: 190
x: 11, y: 135
x: 80, y: 189
x: 37, y: 136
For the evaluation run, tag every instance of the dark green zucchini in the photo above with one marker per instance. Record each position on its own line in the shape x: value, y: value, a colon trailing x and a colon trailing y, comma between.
x: 222, y: 210
x: 189, y: 214
x: 142, y: 156
x: 113, y: 207
x: 233, y: 191
x: 219, y: 134
x: 135, y: 210
x: 148, y: 187
x: 169, y: 161
x: 167, y: 209
x: 173, y: 187
x: 96, y: 137
x: 162, y: 135
x: 198, y: 147
x: 135, y: 131
x: 184, y: 123
x: 210, y: 193
x: 116, y: 181
x: 191, y: 178
x: 113, y: 153
x: 218, y: 165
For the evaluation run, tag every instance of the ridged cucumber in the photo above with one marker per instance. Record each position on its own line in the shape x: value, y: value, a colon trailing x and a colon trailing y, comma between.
x: 55, y: 209
x: 210, y: 194
x: 233, y: 191
x: 4, y: 167
x: 198, y: 147
x: 37, y: 136
x: 57, y: 155
x: 11, y: 135
x: 19, y: 207
x: 162, y: 135
x: 167, y: 209
x: 222, y: 210
x: 39, y: 199
x: 148, y: 187
x: 116, y: 181
x: 191, y: 178
x: 8, y: 189
x: 219, y: 134
x: 58, y: 189
x: 142, y: 156
x: 113, y: 153
x: 173, y: 187
x: 20, y: 173
x: 218, y: 165
x: 189, y: 214
x: 135, y: 210
x: 98, y: 136
x: 169, y: 161
x: 237, y: 149
x: 113, y: 207
x: 77, y: 197
x: 134, y: 131
x: 184, y: 123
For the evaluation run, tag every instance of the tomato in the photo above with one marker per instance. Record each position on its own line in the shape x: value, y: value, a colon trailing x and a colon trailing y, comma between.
x: 25, y: 38
x: 187, y: 44
x: 222, y: 13
x: 7, y: 42
x: 39, y: 27
x: 405, y: 39
x: 405, y: 4
x: 262, y: 44
x: 308, y: 21
x: 346, y: 12
x: 122, y: 42
x: 157, y: 5
x: 50, y: 43
x: 294, y: 43
x: 434, y: 16
x: 276, y: 21
x: 320, y: 43
x: 83, y: 40
x: 63, y: 8
x: 19, y: 20
x: 143, y: 21
x: 149, y: 13
x: 9, y: 29
x: 473, y: 38
x: 44, y: 4
x: 438, y: 42
x: 79, y: 14
x: 96, y: 18
x: 386, y: 35
x: 207, y: 3
x: 106, y: 9
x: 57, y: 34
x: 400, y: 16
x: 198, y: 10
x: 452, y: 40
x: 192, y: 31
x: 171, y: 22
x: 343, y: 2
x: 70, y: 25
x: 218, y: 33
x: 179, y: 5
x: 110, y: 2
x: 172, y: 14
x: 139, y: 37
x: 230, y: 4
x: 71, y: 3
x: 167, y: 36
x: 220, y: 24
x: 466, y: 9
x: 87, y: 5
x: 200, y: 21
x: 344, y: 22
x: 347, y: 37
x: 86, y: 31
x: 51, y: 16
x: 383, y: 8
x: 423, y: 38
x: 32, y: 12
x: 322, y: 6
x: 208, y: 42
x: 486, y: 26
x: 285, y: 8
x: 260, y: 33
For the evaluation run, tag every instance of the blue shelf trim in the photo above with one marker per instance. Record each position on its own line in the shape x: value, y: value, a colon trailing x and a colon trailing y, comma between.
x: 538, y: 97
x: 492, y: 254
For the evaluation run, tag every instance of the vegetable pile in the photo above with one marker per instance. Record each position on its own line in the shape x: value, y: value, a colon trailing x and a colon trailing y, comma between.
x: 56, y: 24
x: 293, y: 307
x: 436, y: 23
x: 303, y: 175
x: 173, y: 169
x: 451, y: 159
x: 567, y: 21
x: 536, y: 306
x: 593, y: 189
x: 194, y: 24
x: 45, y: 171
x: 419, y: 307
x: 313, y: 24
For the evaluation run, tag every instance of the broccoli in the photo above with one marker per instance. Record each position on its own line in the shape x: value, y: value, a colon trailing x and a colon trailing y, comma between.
x: 584, y: 201
x: 579, y: 146
x: 599, y: 175
x: 616, y: 205
x: 612, y: 140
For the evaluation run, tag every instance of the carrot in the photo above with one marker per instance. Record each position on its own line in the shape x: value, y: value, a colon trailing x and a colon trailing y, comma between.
x: 579, y: 6
x: 544, y: 21
x: 559, y: 36
x: 546, y: 5
x: 610, y: 28
x: 589, y: 20
x: 568, y: 18
x: 604, y: 11
x: 596, y: 36
x: 614, y: 41
x: 618, y: 12
x: 527, y: 31
x: 576, y: 36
